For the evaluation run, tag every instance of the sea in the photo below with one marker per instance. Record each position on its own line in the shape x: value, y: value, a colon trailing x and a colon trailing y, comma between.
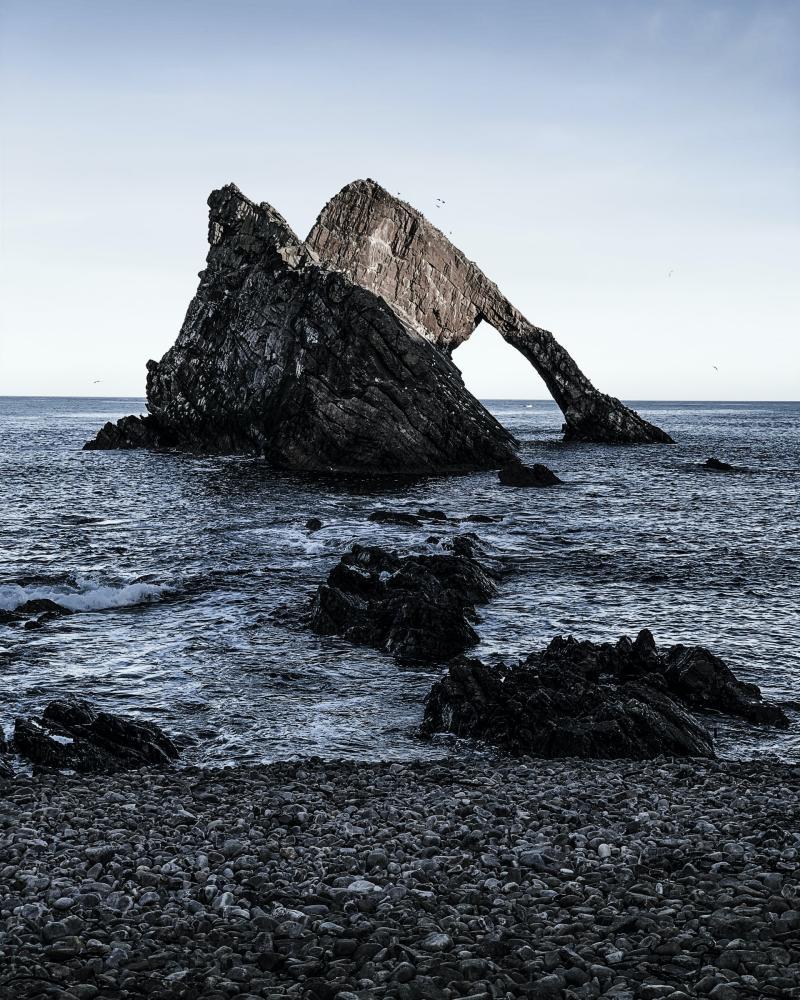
x: 190, y: 578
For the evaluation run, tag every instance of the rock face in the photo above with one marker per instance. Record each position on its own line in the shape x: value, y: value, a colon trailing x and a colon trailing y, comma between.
x: 73, y: 734
x: 582, y: 699
x: 285, y: 357
x: 388, y: 246
x: 334, y: 354
x: 417, y: 608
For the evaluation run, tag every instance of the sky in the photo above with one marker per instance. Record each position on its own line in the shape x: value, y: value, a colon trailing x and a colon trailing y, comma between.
x: 627, y: 172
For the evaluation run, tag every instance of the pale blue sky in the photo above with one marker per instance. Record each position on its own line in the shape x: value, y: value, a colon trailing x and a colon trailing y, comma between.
x: 585, y: 150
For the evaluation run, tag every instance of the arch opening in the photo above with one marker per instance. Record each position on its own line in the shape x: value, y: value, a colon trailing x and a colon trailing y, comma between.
x: 493, y: 369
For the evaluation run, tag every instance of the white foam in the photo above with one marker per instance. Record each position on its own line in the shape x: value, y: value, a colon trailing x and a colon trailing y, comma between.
x: 85, y: 596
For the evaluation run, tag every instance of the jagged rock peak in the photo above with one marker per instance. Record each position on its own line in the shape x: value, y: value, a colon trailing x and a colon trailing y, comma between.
x: 286, y: 357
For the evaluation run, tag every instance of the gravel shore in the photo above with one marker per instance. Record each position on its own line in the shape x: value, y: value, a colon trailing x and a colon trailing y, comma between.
x: 541, y: 879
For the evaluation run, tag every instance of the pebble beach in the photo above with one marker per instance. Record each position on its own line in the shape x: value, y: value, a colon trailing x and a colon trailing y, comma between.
x: 345, y: 880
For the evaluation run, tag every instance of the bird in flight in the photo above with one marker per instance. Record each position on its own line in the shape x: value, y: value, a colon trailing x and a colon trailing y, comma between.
x: 96, y: 381
x: 715, y: 368
x: 669, y: 274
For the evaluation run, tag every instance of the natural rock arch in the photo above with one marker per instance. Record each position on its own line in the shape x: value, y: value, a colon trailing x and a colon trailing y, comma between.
x: 388, y: 246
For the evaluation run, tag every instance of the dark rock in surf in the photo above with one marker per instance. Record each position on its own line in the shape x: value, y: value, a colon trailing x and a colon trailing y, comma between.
x: 481, y: 518
x: 334, y: 354
x: 285, y: 357
x: 717, y: 466
x: 585, y: 699
x: 417, y: 608
x: 703, y: 681
x: 517, y: 474
x: 313, y: 524
x: 394, y: 517
x: 73, y: 734
x: 131, y: 432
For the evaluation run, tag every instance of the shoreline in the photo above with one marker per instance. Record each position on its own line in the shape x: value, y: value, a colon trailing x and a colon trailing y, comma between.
x: 325, y: 879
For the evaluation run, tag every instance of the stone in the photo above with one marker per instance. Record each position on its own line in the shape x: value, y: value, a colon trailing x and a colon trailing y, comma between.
x: 73, y: 734
x: 717, y: 466
x: 417, y: 608
x: 584, y: 699
x: 313, y: 524
x: 517, y: 474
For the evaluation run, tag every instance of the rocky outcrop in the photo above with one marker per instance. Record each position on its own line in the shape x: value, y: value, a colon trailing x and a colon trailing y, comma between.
x: 285, y: 357
x: 417, y: 608
x: 388, y: 246
x: 584, y: 699
x: 334, y: 354
x: 73, y: 734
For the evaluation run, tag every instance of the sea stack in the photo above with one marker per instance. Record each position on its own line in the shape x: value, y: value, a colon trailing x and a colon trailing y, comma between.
x: 333, y: 354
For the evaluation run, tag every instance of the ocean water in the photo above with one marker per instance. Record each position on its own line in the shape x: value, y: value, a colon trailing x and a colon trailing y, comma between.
x: 190, y: 577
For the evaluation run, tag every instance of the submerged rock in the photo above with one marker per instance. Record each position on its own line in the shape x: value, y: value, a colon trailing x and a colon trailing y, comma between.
x: 418, y: 608
x: 285, y: 357
x: 73, y: 734
x: 585, y: 699
x: 717, y: 466
x: 517, y: 474
x: 395, y: 517
x: 313, y: 524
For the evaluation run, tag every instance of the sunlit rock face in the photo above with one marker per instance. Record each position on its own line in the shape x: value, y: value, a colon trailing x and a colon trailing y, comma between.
x: 391, y: 248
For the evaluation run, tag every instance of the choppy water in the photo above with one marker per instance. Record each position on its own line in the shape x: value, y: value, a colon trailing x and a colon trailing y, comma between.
x: 190, y: 576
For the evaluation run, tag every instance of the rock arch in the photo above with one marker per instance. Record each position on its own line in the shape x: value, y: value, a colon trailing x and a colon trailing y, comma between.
x: 388, y: 246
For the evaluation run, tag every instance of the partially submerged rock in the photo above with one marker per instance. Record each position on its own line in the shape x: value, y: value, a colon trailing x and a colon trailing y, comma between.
x: 585, y: 699
x: 517, y: 474
x: 417, y: 608
x: 334, y: 354
x: 73, y: 734
x: 717, y: 466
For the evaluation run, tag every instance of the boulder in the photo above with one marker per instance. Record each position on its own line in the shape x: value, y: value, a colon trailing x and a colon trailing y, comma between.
x: 285, y: 357
x: 395, y: 517
x: 418, y: 608
x: 715, y: 465
x: 585, y: 699
x: 517, y: 474
x: 73, y: 734
x: 313, y: 524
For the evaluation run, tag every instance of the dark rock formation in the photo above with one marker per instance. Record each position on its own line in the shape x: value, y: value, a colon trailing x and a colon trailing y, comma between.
x: 717, y: 466
x: 33, y: 613
x: 584, y: 699
x: 282, y: 356
x: 418, y: 608
x: 131, y: 432
x: 517, y: 474
x: 334, y: 354
x: 395, y: 517
x: 388, y: 246
x: 73, y: 734
x: 313, y: 524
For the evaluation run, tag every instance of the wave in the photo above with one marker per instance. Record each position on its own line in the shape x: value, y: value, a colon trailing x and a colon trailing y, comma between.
x: 85, y: 595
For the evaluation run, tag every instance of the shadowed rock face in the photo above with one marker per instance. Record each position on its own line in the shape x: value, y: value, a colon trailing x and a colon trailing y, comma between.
x: 388, y: 246
x: 285, y: 357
